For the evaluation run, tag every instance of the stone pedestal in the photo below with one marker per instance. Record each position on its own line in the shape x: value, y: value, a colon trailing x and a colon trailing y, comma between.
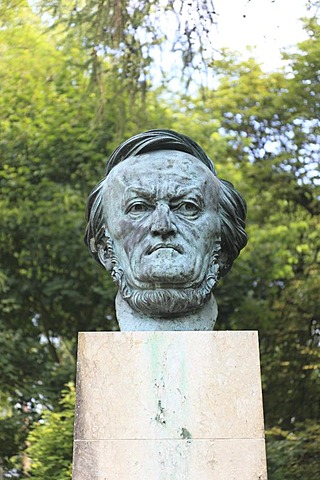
x: 169, y: 406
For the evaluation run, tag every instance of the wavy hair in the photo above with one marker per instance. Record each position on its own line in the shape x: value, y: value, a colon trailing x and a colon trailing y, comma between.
x: 232, y: 207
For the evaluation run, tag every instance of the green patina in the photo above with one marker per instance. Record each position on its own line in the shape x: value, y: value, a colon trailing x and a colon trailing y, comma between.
x: 185, y: 434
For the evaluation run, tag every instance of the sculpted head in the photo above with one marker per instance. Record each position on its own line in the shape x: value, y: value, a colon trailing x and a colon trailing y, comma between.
x: 163, y: 224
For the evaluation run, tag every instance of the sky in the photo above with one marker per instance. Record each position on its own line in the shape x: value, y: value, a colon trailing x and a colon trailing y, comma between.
x: 268, y: 24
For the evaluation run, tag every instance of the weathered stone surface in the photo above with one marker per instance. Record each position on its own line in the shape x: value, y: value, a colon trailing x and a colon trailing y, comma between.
x: 241, y: 459
x: 180, y: 405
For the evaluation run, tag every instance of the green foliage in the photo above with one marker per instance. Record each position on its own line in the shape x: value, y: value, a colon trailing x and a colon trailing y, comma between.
x: 54, y: 138
x: 262, y: 130
x: 294, y: 455
x: 50, y: 441
x: 66, y: 102
x: 45, y: 148
x: 13, y: 432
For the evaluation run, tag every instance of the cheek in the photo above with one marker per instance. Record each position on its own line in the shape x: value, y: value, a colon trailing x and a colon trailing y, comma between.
x: 130, y: 233
x: 203, y: 232
x: 194, y: 235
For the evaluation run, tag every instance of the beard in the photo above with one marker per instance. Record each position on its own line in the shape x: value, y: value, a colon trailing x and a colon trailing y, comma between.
x: 164, y: 302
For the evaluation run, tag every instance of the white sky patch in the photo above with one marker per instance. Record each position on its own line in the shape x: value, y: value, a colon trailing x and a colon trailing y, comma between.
x: 270, y: 25
x: 258, y: 28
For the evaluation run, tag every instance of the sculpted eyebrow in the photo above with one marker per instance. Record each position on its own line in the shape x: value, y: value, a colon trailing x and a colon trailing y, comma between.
x: 139, y: 191
x: 177, y: 195
x: 191, y: 193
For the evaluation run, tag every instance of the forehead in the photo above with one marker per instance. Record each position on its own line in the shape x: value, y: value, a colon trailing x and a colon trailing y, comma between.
x: 162, y: 167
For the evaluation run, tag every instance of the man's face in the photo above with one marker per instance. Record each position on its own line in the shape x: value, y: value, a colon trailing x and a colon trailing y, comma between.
x: 161, y: 211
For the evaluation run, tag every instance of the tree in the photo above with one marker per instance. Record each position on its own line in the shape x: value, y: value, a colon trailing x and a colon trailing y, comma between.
x: 270, y: 125
x: 65, y: 103
x: 53, y: 144
x: 132, y: 36
x: 50, y: 441
x: 45, y: 146
x: 294, y: 455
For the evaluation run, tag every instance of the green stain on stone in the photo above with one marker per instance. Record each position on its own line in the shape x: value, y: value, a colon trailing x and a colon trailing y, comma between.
x: 185, y: 434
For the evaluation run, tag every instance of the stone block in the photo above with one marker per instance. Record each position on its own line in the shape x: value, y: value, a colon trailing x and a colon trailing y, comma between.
x: 169, y: 405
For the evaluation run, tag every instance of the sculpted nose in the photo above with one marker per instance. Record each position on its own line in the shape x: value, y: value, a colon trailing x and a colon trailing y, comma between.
x: 161, y: 221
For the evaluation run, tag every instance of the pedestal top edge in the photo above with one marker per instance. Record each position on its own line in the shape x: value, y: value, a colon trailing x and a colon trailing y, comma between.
x: 220, y: 333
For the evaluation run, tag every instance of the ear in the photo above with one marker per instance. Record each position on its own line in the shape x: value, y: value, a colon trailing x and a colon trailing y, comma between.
x: 104, y: 258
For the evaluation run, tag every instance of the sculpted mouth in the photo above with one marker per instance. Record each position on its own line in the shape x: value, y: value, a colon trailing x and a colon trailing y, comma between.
x: 158, y: 246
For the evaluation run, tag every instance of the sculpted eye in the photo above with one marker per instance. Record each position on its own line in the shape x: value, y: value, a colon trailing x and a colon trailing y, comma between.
x: 138, y: 208
x: 188, y: 209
